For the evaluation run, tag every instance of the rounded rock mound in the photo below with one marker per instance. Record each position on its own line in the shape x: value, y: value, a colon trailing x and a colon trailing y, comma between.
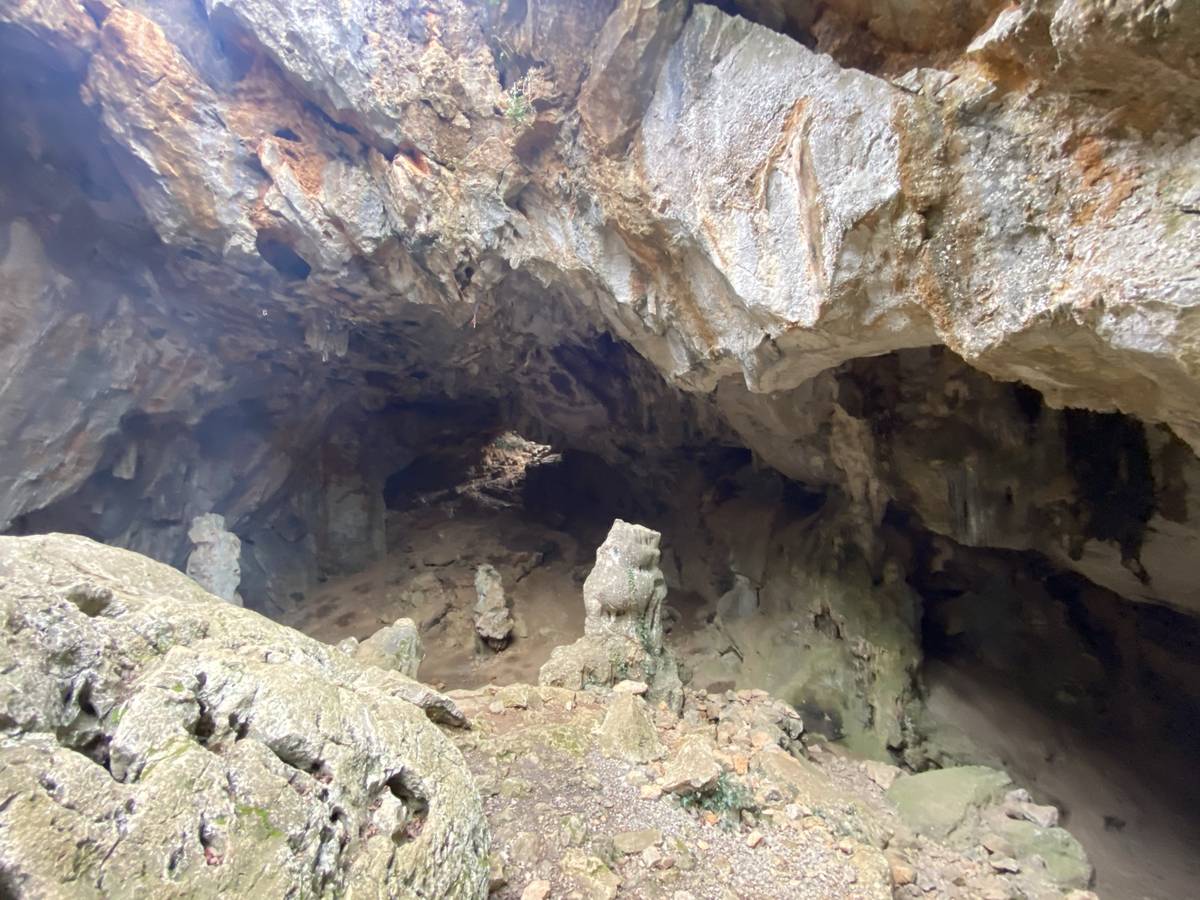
x: 153, y: 737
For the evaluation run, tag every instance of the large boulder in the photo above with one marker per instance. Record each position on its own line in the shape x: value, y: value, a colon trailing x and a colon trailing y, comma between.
x: 622, y: 631
x: 157, y: 739
x: 941, y: 802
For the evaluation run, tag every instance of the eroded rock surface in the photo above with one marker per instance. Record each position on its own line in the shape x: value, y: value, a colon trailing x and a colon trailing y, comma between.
x: 215, y: 562
x: 153, y: 735
x: 398, y: 646
x: 623, y: 633
x: 498, y: 202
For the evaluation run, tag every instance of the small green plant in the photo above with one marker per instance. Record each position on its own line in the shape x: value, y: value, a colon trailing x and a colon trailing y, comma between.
x: 727, y: 798
x: 517, y: 109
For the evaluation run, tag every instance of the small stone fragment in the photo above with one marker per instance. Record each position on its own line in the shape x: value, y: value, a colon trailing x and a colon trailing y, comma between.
x: 596, y: 880
x: 753, y: 839
x: 496, y: 875
x: 630, y: 687
x: 882, y: 774
x: 536, y: 890
x: 993, y: 843
x: 902, y: 873
x: 630, y: 842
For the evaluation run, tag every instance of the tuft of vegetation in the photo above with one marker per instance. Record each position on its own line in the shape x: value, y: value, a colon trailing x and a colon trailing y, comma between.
x: 727, y: 798
x: 517, y: 109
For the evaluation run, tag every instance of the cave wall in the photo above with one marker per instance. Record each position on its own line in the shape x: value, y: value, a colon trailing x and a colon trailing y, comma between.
x: 255, y: 258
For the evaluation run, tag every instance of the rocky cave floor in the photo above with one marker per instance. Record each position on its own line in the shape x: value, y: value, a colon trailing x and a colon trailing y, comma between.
x: 571, y: 820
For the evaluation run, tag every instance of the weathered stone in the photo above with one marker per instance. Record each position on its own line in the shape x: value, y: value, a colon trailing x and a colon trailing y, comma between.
x: 882, y: 774
x: 693, y: 768
x: 637, y: 688
x: 596, y: 880
x: 623, y: 638
x: 493, y: 621
x: 1066, y: 863
x: 215, y: 563
x: 938, y: 803
x: 628, y: 731
x: 398, y: 646
x: 624, y: 67
x: 1041, y: 815
x: 631, y: 842
x: 202, y: 743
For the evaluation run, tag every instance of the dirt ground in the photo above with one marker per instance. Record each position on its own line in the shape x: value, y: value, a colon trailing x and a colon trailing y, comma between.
x: 429, y: 576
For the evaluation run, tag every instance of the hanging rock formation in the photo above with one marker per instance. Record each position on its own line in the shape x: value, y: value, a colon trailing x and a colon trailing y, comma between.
x: 501, y: 189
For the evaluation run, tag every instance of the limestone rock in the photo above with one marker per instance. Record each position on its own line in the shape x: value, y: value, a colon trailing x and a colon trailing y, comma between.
x: 623, y: 637
x: 629, y: 51
x: 624, y: 592
x: 189, y: 740
x: 693, y: 768
x: 939, y: 802
x: 631, y: 842
x: 341, y: 154
x: 882, y: 774
x: 493, y: 621
x: 1066, y: 862
x: 596, y: 880
x: 1019, y: 805
x: 215, y: 562
x: 778, y: 721
x: 740, y: 601
x: 398, y: 646
x: 628, y: 731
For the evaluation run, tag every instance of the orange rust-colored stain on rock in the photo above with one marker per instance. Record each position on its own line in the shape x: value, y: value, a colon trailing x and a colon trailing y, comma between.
x: 1089, y: 156
x: 413, y: 158
x: 652, y: 258
x: 137, y: 47
x: 790, y: 131
x: 305, y: 165
x: 143, y: 83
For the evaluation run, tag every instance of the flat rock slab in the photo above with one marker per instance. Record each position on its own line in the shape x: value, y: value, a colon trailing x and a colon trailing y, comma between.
x: 937, y: 803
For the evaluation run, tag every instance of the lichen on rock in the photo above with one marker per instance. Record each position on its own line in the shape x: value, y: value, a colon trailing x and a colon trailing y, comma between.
x: 153, y: 734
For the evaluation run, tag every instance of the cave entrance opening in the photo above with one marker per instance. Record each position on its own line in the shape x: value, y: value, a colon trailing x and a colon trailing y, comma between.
x: 493, y: 500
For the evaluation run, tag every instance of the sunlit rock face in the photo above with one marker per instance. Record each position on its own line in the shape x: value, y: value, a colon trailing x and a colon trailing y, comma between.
x: 258, y: 256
